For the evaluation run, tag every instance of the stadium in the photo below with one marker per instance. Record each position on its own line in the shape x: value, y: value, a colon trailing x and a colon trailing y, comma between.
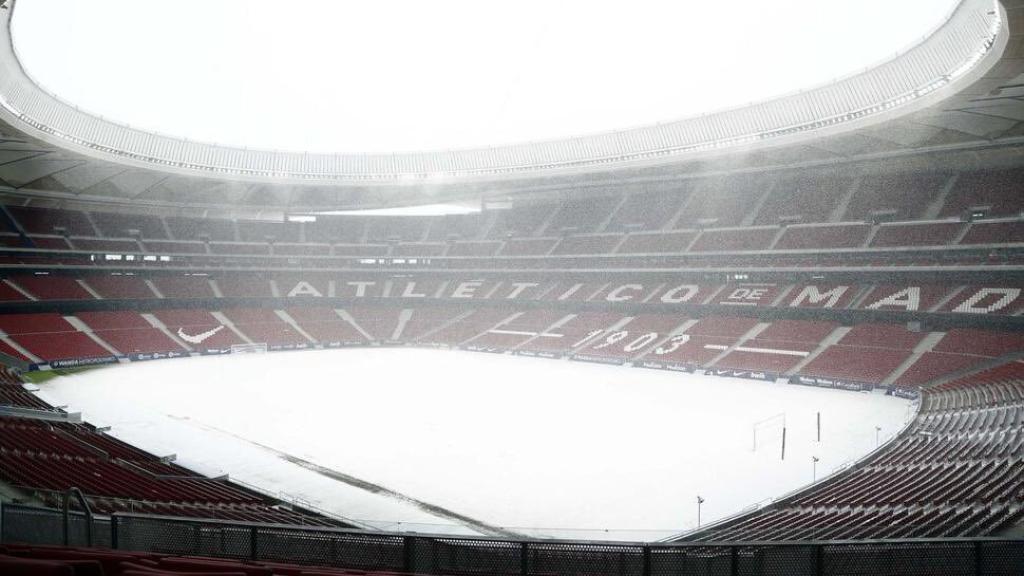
x: 785, y: 337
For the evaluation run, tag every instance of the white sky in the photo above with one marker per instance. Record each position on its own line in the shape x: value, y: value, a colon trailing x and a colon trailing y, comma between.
x: 403, y: 75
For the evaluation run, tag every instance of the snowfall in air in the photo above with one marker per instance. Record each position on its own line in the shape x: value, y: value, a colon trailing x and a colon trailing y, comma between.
x: 565, y: 448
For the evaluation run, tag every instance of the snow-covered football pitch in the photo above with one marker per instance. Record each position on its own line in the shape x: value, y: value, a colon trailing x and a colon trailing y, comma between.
x: 467, y: 442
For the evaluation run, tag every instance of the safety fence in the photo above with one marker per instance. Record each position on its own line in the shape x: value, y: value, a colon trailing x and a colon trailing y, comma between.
x: 483, y: 556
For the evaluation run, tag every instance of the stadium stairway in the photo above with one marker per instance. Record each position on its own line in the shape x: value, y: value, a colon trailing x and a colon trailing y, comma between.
x: 979, y: 368
x: 925, y: 345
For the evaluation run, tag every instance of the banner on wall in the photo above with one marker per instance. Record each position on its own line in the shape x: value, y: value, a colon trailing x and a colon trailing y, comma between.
x: 538, y: 354
x: 904, y: 393
x: 478, y: 348
x: 145, y: 356
x: 748, y: 374
x: 670, y: 366
x: 289, y: 346
x: 831, y: 383
x: 78, y: 362
x: 598, y: 359
x: 342, y: 344
x: 214, y: 351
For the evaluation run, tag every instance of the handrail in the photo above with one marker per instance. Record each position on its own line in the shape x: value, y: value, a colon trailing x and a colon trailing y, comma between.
x: 302, y: 503
x: 543, y: 541
x: 456, y: 554
x: 66, y: 519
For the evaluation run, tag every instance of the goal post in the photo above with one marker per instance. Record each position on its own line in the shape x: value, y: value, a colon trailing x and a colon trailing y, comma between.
x: 254, y: 348
x: 771, y: 423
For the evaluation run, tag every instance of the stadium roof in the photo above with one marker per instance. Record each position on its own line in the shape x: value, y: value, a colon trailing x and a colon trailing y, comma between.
x: 960, y: 89
x: 404, y: 75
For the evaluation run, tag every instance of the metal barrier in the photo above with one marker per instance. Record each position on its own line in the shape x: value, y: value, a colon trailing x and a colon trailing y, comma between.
x: 474, y: 556
x: 34, y: 525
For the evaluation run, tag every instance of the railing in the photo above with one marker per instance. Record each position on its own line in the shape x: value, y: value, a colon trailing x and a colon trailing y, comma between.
x: 79, y: 498
x: 951, y: 53
x: 301, y: 503
x: 472, y: 556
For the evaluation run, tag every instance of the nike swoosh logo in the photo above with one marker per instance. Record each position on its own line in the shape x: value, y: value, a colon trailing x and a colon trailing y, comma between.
x: 198, y: 338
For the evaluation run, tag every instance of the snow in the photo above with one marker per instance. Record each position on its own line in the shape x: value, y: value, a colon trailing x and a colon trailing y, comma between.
x: 536, y: 446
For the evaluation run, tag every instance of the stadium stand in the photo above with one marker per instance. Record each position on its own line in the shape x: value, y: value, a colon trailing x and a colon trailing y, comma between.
x: 119, y: 286
x: 326, y: 326
x: 855, y: 363
x: 115, y: 225
x: 891, y: 197
x: 956, y: 472
x: 792, y: 236
x: 727, y: 240
x: 1000, y: 232
x: 381, y: 324
x: 852, y: 260
x: 128, y: 332
x: 657, y: 242
x: 917, y: 234
x: 51, y: 221
x: 172, y: 247
x: 102, y: 245
x: 817, y: 236
x: 205, y: 229
x: 528, y: 246
x: 244, y: 286
x: 421, y: 249
x: 186, y: 286
x: 43, y: 286
x: 720, y: 203
x: 523, y: 220
x: 647, y: 211
x: 477, y: 249
x: 604, y: 244
x: 995, y: 192
x: 260, y: 325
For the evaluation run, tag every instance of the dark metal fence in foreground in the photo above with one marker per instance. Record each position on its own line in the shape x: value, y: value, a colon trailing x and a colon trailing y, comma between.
x: 471, y: 556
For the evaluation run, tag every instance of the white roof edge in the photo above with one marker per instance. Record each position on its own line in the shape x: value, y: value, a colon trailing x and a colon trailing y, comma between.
x: 953, y: 56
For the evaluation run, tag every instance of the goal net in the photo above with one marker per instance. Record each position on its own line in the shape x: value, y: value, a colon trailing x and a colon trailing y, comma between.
x: 255, y: 348
x: 769, y: 428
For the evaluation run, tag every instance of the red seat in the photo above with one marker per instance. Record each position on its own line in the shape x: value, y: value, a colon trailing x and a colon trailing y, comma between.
x: 109, y: 561
x: 213, y: 566
x: 12, y: 566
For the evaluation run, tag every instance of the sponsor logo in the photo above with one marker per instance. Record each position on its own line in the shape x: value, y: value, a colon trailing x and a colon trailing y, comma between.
x: 343, y: 344
x: 74, y: 362
x: 289, y: 346
x: 198, y: 338
x: 215, y: 351
x: 670, y: 366
x: 537, y: 354
x: 598, y: 359
x: 141, y: 357
x: 748, y: 374
x: 831, y: 383
x: 488, y: 349
x: 904, y: 393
